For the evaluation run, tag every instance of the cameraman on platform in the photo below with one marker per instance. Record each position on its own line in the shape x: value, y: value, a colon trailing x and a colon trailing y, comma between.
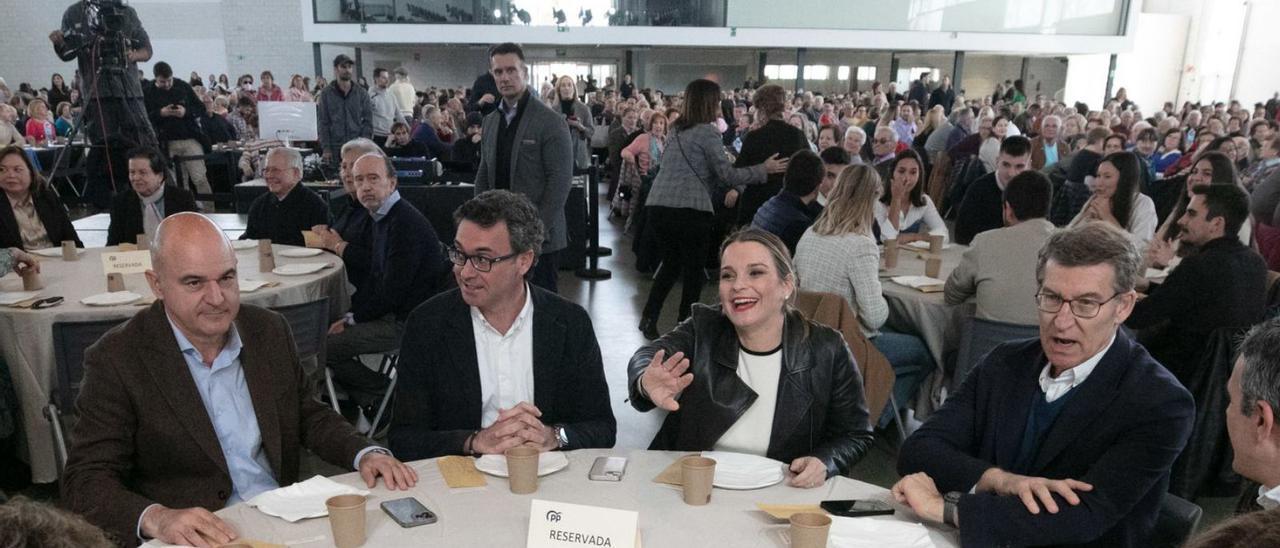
x: 107, y: 40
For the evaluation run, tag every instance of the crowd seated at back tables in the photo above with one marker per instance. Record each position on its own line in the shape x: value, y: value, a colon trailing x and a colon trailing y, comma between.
x: 1125, y: 237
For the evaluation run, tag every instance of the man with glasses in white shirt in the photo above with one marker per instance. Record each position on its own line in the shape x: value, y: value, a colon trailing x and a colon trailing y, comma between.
x: 1067, y: 439
x: 499, y: 362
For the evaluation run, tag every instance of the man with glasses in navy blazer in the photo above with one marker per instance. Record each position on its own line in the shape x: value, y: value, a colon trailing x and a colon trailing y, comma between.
x: 499, y: 362
x: 1067, y: 439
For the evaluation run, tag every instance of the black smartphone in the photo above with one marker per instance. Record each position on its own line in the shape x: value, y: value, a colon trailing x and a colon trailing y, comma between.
x: 857, y: 508
x: 408, y: 512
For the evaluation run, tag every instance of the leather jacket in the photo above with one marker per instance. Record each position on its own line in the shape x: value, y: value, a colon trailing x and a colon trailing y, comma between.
x: 820, y: 410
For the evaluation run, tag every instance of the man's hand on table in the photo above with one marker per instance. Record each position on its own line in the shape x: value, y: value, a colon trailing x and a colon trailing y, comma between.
x: 919, y: 492
x: 1030, y: 488
x: 397, y: 475
x: 520, y: 425
x: 329, y: 238
x: 191, y: 526
x: 809, y: 472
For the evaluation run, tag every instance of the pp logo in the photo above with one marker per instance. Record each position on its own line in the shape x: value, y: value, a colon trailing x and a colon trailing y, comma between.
x: 553, y: 516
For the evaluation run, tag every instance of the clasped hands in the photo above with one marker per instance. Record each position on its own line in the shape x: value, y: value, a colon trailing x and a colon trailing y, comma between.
x: 519, y: 425
x: 919, y: 492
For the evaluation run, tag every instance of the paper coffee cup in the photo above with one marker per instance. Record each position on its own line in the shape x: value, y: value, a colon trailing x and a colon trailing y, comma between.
x: 932, y: 267
x: 115, y: 283
x: 31, y: 280
x: 891, y: 253
x: 522, y: 469
x: 935, y: 243
x: 346, y: 518
x: 144, y: 243
x: 311, y: 239
x: 266, y: 257
x: 69, y: 252
x: 697, y: 474
x: 809, y: 530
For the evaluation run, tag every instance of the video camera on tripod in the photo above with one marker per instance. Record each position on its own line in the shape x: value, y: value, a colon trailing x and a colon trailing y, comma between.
x: 105, y: 36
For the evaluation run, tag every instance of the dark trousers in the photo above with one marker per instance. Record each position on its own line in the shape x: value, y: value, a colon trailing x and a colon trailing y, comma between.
x: 113, y: 126
x: 544, y: 272
x: 684, y: 236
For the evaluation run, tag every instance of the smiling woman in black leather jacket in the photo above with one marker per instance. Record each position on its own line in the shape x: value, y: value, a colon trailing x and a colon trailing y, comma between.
x: 752, y: 375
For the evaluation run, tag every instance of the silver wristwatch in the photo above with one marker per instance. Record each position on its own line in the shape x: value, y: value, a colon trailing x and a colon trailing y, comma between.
x: 562, y: 436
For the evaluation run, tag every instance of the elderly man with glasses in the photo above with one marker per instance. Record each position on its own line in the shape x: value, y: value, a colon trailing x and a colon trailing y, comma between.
x: 499, y: 362
x: 1066, y: 439
x: 405, y: 269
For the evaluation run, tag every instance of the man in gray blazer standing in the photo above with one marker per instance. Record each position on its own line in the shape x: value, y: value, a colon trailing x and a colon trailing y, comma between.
x: 526, y: 148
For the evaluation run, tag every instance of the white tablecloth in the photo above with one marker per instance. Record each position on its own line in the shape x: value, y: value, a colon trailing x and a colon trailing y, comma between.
x: 927, y: 315
x: 26, y: 336
x: 492, y: 517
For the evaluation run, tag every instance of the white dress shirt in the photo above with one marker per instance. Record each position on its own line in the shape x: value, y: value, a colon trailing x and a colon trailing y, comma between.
x: 1269, y: 499
x: 505, y: 361
x: 1071, y: 378
x: 926, y: 214
x: 754, y: 428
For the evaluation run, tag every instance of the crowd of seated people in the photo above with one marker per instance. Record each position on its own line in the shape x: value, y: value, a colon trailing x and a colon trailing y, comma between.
x: 1063, y: 208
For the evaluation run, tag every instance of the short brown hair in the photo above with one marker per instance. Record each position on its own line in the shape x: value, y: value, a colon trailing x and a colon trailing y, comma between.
x: 1093, y: 243
x: 37, y: 181
x: 24, y: 522
x: 701, y: 104
x: 1251, y: 529
x: 769, y: 100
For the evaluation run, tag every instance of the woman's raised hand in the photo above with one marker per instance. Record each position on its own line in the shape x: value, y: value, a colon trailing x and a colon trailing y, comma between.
x: 665, y: 379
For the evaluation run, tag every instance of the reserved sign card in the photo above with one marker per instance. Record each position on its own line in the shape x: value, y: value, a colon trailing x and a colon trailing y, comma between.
x: 564, y: 525
x: 126, y: 262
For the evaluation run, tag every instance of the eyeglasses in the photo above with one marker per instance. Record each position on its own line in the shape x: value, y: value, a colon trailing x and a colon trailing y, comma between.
x: 480, y: 262
x: 1081, y: 308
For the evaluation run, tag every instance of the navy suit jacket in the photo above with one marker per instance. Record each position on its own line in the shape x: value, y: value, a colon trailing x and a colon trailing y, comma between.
x: 1120, y: 432
x: 438, y: 399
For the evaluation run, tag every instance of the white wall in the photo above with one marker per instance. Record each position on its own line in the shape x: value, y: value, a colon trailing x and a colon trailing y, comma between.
x: 1257, y: 78
x: 1087, y: 80
x: 1152, y: 72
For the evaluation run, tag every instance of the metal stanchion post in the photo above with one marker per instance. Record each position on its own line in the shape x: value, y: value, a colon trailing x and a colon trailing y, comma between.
x: 592, y: 270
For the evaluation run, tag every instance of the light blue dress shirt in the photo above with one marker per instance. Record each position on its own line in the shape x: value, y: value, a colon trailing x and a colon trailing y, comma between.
x: 1050, y: 154
x: 225, y: 394
x: 385, y: 208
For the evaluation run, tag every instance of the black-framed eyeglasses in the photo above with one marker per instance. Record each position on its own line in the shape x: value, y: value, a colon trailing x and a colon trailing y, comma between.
x: 480, y: 262
x: 1081, y: 308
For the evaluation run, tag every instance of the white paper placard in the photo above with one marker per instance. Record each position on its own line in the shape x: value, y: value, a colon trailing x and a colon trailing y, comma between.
x: 564, y: 525
x: 281, y: 119
x: 126, y: 262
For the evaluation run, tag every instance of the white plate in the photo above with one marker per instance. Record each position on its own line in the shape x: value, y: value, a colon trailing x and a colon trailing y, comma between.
x: 299, y: 269
x: 111, y: 299
x: 300, y: 252
x: 249, y: 286
x: 548, y: 462
x: 241, y: 245
x: 743, y: 471
x: 53, y: 252
x: 7, y: 299
x: 923, y: 245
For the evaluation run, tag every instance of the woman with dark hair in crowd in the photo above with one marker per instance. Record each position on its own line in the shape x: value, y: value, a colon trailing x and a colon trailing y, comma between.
x: 1116, y: 199
x: 795, y: 394
x: 297, y: 91
x: 194, y: 80
x: 31, y: 213
x: 245, y: 119
x: 59, y: 91
x: 269, y: 91
x: 773, y: 138
x: 694, y: 166
x: 1170, y: 150
x: 904, y: 211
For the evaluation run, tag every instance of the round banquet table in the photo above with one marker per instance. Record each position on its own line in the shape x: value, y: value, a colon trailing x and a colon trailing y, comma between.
x: 26, y: 336
x: 927, y: 315
x: 491, y: 516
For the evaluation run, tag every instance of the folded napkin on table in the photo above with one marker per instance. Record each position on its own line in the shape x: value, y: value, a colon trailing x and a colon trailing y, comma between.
x: 303, y: 499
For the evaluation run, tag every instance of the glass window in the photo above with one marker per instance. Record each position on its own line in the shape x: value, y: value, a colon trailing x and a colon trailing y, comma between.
x: 787, y: 72
x: 771, y: 72
x: 842, y: 73
x: 866, y: 74
x: 817, y: 72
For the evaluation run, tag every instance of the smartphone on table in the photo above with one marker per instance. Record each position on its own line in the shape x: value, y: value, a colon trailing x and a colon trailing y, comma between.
x: 408, y: 512
x: 857, y: 508
x: 608, y: 469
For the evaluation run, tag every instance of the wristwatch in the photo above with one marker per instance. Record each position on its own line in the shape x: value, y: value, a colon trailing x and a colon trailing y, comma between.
x: 951, y: 508
x: 561, y: 436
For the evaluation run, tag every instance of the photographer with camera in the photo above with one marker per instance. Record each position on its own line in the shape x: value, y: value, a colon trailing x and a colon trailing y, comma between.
x: 107, y: 40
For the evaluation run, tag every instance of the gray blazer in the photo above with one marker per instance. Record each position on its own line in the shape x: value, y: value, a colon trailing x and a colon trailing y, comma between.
x: 581, y: 139
x: 999, y: 268
x: 694, y: 165
x: 541, y: 165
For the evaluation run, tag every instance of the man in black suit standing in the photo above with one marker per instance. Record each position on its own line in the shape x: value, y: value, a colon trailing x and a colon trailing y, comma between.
x: 140, y: 210
x: 288, y: 207
x: 1067, y: 439
x: 525, y: 147
x: 499, y: 362
x: 405, y: 268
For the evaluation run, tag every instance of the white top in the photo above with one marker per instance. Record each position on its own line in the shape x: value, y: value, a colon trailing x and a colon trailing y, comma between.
x: 1142, y: 221
x: 927, y: 213
x: 1269, y: 499
x: 505, y: 361
x: 989, y: 152
x: 1071, y: 378
x: 847, y: 265
x: 754, y: 428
